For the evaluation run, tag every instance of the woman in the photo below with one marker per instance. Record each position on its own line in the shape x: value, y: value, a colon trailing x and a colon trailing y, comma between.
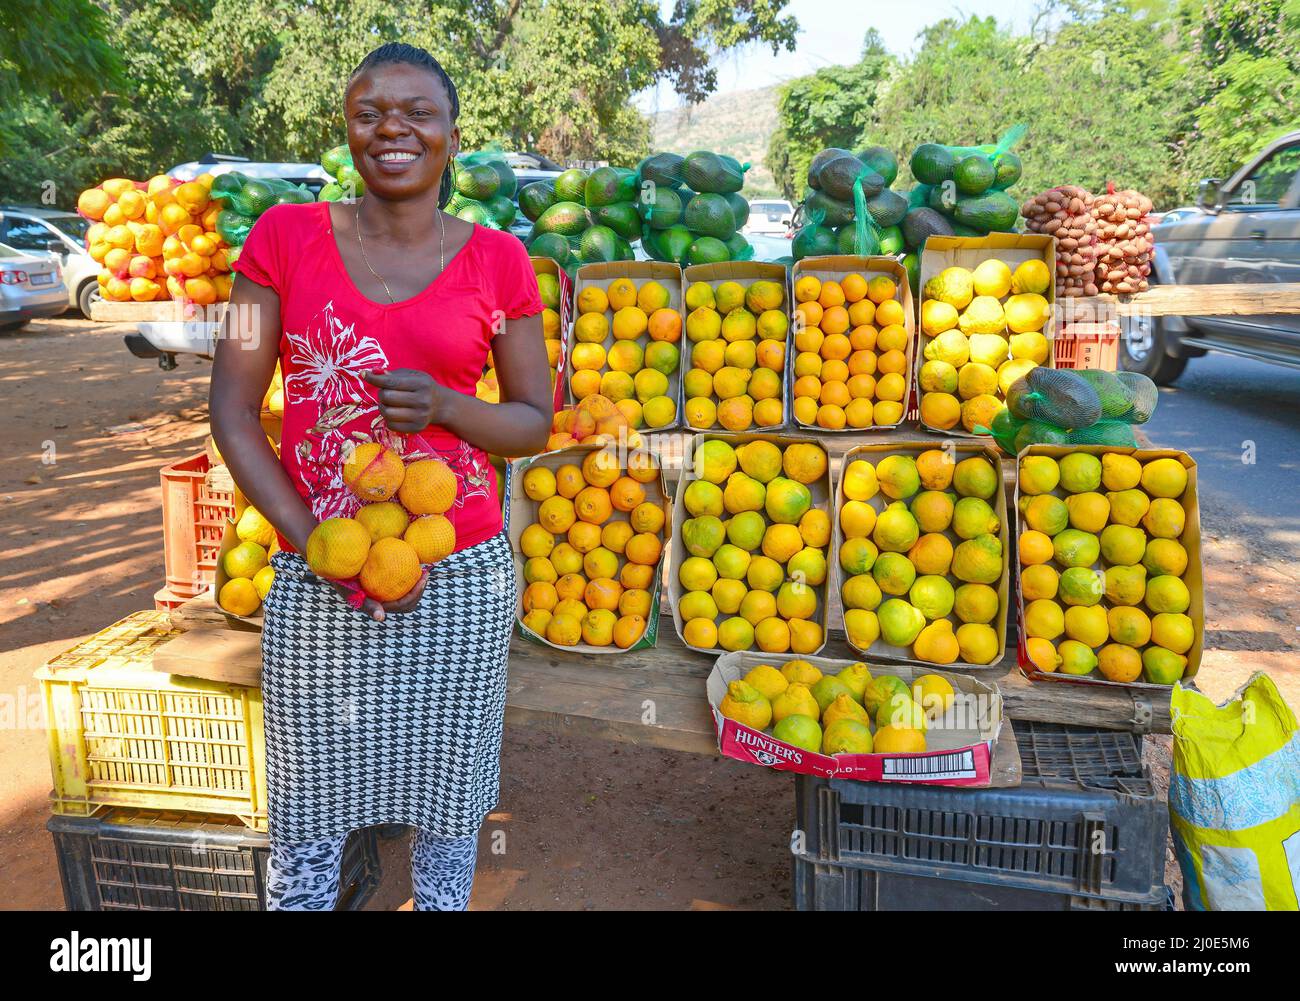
x: 381, y: 313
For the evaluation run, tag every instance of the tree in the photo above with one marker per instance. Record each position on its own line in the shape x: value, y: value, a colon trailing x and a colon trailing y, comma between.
x: 829, y: 108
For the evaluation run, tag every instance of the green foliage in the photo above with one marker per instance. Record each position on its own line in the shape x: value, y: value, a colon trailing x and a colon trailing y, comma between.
x: 831, y: 107
x: 265, y: 78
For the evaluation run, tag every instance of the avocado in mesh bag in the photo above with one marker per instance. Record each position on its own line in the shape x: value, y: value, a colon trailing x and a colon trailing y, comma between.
x: 710, y: 214
x: 709, y: 173
x: 821, y: 160
x: 838, y: 176
x: 662, y: 168
x: 834, y: 212
x: 660, y: 207
x: 1039, y: 433
x: 607, y: 185
x: 1055, y: 396
x: 813, y: 241
x: 621, y: 217
x: 478, y: 181
x: 1145, y: 395
x: 536, y: 198
x: 1117, y: 433
x: 551, y: 245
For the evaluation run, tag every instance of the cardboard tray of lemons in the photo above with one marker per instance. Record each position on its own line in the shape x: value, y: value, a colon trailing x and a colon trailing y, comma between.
x: 1157, y: 501
x: 937, y: 473
x: 959, y: 747
x: 964, y: 332
x: 836, y: 267
x: 744, y: 355
x: 785, y: 590
x: 230, y: 540
x: 666, y: 392
x: 523, y: 513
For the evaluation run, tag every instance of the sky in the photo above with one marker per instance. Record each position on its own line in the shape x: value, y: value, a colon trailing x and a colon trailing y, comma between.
x: 831, y: 33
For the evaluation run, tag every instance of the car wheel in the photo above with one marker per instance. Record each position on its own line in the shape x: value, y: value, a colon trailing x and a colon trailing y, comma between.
x: 87, y: 295
x: 1142, y: 349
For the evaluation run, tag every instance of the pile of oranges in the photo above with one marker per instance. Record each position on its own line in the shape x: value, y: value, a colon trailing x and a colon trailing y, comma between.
x: 401, y: 525
x: 597, y: 420
x: 592, y: 550
x: 625, y: 348
x: 850, y: 366
x: 156, y: 240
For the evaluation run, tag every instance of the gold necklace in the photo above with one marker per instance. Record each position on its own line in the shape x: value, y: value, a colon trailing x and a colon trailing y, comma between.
x: 442, y: 251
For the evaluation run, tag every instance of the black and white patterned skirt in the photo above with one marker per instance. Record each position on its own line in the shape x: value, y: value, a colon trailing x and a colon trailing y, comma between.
x: 394, y: 722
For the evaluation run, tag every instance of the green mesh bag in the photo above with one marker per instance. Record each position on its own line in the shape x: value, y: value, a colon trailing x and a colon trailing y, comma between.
x: 661, y: 168
x: 1125, y: 396
x: 1055, y: 396
x: 1013, y: 434
x: 866, y: 234
x: 814, y: 239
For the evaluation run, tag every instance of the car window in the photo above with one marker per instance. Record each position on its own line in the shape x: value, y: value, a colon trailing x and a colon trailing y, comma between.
x: 73, y: 225
x: 7, y: 251
x: 1269, y: 182
x: 26, y: 234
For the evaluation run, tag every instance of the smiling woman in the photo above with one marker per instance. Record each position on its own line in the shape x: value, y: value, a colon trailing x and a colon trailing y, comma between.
x: 381, y: 313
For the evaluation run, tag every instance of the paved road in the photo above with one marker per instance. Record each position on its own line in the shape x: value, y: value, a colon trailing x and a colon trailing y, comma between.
x: 1217, y: 408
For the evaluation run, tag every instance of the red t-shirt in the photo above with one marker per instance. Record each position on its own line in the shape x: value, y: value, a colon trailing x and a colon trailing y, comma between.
x: 331, y: 333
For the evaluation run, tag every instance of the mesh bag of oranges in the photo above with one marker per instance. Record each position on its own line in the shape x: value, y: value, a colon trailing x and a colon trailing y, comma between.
x: 156, y: 240
x: 983, y: 326
x: 851, y: 345
x: 749, y: 563
x: 400, y: 527
x: 624, y: 344
x: 734, y: 350
x: 587, y: 527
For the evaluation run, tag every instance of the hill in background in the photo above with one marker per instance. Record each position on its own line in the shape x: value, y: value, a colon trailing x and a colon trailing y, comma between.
x: 738, y: 124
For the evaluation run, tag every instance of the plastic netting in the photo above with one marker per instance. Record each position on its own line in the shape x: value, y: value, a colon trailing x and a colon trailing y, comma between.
x: 1073, y: 407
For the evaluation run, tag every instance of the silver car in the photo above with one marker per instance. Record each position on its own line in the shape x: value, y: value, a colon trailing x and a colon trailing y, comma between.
x: 40, y: 231
x: 31, y: 287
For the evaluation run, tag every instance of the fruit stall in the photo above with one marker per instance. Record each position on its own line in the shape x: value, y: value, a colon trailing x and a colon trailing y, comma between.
x: 880, y: 515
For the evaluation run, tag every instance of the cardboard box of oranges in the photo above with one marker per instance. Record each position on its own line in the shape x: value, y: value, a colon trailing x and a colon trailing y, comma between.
x: 625, y: 340
x: 961, y: 729
x: 922, y: 543
x: 1110, y: 588
x: 748, y: 561
x: 245, y: 606
x: 734, y: 351
x: 986, y: 318
x: 849, y: 358
x: 587, y: 527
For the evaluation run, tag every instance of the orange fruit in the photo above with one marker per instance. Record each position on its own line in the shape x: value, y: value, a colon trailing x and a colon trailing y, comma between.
x: 629, y: 323
x: 571, y: 587
x: 892, y: 361
x: 647, y: 516
x: 836, y: 347
x: 634, y: 602
x: 808, y: 385
x: 834, y: 371
x: 881, y: 288
x: 859, y: 413
x: 569, y: 481
x: 593, y: 505
x: 767, y: 413
x: 374, y: 472
x: 93, y: 202
x: 539, y: 483
x: 889, y: 312
x: 603, y: 593
x: 385, y: 520
x: 893, y: 338
x: 940, y: 410
x: 771, y: 354
x: 564, y: 630
x: 201, y: 291
x: 621, y: 293
x: 584, y: 536
x: 592, y: 299
x: 556, y: 514
x: 626, y: 493
x: 540, y: 594
x: 614, y: 535
x: 665, y: 325
x: 433, y: 536
x: 429, y: 487
x: 808, y: 314
x: 642, y: 466
x: 854, y: 287
x: 601, y: 468
x: 862, y: 362
x: 337, y: 548
x: 861, y: 387
x: 830, y: 417
x: 835, y: 320
x: 807, y: 288
x: 636, y: 576
x: 600, y: 562
x: 391, y: 569
x: 643, y: 548
x: 627, y: 630
x: 831, y: 294
x: 835, y: 394
x: 584, y: 383
x: 805, y: 409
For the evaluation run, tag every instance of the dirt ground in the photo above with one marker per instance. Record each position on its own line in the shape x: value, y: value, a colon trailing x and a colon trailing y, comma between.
x: 581, y: 824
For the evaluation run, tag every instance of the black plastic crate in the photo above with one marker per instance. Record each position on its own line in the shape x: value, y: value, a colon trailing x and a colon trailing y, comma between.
x: 146, y: 860
x: 1050, y: 835
x: 825, y: 886
x: 1055, y: 754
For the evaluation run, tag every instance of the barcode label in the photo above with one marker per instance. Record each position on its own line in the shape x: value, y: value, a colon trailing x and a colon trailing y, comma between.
x: 957, y: 765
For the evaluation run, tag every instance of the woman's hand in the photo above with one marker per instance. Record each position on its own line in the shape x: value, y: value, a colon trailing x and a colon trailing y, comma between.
x: 410, y: 400
x: 379, y: 610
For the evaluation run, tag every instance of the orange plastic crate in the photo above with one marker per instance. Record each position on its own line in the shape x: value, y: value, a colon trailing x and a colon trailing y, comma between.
x: 194, y: 516
x: 1088, y: 345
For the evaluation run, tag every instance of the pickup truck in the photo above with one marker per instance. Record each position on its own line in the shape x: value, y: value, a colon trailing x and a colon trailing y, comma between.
x: 1246, y: 232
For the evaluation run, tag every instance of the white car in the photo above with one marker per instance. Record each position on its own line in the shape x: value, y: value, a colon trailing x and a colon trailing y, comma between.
x: 41, y: 232
x: 31, y: 287
x: 768, y: 217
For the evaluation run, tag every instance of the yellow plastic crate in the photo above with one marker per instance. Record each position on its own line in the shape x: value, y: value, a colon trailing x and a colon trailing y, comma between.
x: 122, y: 735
